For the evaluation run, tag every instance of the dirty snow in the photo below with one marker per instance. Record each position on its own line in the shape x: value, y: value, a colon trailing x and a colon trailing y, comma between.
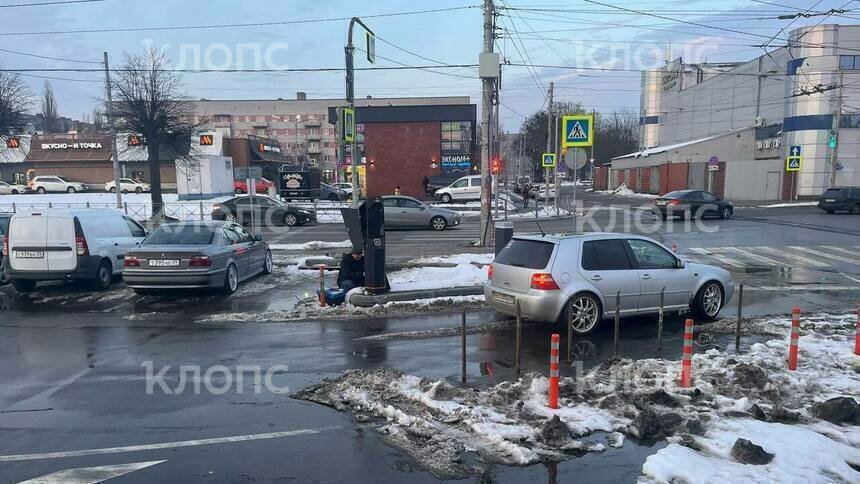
x: 482, y: 259
x: 624, y: 191
x: 437, y: 277
x: 786, y: 205
x: 313, y: 245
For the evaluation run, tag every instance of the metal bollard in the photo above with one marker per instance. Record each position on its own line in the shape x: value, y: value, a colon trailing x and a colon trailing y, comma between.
x: 519, y: 338
x: 125, y: 207
x: 569, y: 331
x: 553, y: 371
x: 660, y: 320
x: 201, y: 211
x: 687, y: 357
x: 795, y: 336
x: 463, y: 349
x: 617, y: 324
x: 740, y: 317
x: 857, y: 334
x: 14, y: 208
x: 322, y: 286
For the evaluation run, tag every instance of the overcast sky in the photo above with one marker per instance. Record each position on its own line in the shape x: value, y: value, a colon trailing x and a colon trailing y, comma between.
x: 561, y: 33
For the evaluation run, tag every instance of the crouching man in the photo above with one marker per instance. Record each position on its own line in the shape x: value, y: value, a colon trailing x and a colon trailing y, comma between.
x: 351, y: 271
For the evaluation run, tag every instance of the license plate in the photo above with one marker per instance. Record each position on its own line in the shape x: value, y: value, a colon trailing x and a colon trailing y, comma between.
x: 29, y: 254
x: 830, y: 200
x: 503, y: 298
x: 661, y: 203
x: 164, y: 263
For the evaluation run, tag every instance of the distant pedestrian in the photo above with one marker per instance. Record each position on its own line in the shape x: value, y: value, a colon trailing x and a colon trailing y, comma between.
x: 425, y: 183
x: 397, y: 190
x: 527, y: 193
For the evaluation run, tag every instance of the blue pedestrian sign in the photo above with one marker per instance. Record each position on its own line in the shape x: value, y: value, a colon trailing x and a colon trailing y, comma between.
x: 578, y: 130
x: 794, y: 150
x: 548, y: 160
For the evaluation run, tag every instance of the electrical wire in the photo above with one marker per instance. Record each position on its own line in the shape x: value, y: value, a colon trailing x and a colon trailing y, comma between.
x: 56, y: 2
x: 49, y: 57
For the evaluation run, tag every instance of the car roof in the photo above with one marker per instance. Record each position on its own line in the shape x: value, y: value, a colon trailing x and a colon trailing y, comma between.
x: 555, y: 238
x: 71, y: 212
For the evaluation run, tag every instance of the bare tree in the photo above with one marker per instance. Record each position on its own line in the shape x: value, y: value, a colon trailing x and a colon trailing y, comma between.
x: 50, y: 119
x: 15, y: 100
x: 149, y: 100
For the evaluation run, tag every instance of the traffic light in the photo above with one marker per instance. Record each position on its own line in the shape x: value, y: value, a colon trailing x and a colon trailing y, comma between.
x: 497, y: 166
x: 832, y: 140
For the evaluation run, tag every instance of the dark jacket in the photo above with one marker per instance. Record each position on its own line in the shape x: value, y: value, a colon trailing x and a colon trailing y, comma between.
x: 351, y: 269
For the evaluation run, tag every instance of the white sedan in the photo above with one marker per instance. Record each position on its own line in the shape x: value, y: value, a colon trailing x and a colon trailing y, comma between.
x: 128, y: 185
x: 11, y: 188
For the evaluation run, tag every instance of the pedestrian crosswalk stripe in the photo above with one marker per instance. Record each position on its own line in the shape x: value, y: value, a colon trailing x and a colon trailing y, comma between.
x: 817, y: 257
x: 841, y: 250
x: 724, y: 260
x: 804, y: 259
x: 747, y: 252
x: 825, y: 254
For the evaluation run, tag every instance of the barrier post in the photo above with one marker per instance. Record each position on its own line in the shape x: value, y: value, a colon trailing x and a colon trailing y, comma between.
x: 125, y: 207
x: 740, y: 317
x: 322, y: 285
x: 553, y: 371
x: 857, y: 334
x: 617, y: 324
x: 201, y: 211
x: 569, y: 331
x: 14, y: 208
x: 795, y: 335
x: 660, y: 320
x: 519, y: 338
x: 687, y: 357
x: 463, y: 349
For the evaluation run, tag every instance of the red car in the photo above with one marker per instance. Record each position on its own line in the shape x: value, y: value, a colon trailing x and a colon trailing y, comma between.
x: 241, y: 186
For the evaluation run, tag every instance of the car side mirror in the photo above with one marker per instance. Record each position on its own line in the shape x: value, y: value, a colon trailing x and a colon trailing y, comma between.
x: 258, y: 238
x: 680, y: 264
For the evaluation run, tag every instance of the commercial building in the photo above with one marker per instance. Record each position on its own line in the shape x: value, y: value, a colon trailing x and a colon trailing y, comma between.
x: 732, y: 127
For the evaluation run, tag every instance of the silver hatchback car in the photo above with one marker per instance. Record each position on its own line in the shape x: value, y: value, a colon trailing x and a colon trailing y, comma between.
x: 551, y: 275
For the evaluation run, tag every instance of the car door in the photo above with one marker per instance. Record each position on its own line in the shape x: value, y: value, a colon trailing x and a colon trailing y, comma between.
x: 242, y: 208
x: 606, y: 265
x: 710, y: 204
x: 659, y: 270
x: 392, y: 213
x: 474, y: 188
x: 239, y: 247
x: 412, y: 212
x: 138, y: 233
x: 256, y: 251
x: 696, y: 202
x: 460, y: 189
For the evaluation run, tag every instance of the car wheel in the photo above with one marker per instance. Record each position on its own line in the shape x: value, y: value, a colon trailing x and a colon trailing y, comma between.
x: 15, y: 192
x: 855, y: 210
x: 23, y: 285
x: 138, y: 190
x: 104, y: 274
x: 726, y: 213
x: 446, y: 198
x: 230, y: 217
x: 583, y: 311
x: 709, y: 301
x: 438, y: 223
x: 268, y: 263
x: 41, y: 190
x: 238, y: 191
x: 112, y: 189
x: 231, y: 280
x: 291, y: 220
x: 71, y: 190
x: 332, y: 197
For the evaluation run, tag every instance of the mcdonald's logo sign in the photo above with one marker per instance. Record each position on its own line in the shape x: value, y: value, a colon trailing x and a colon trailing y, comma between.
x: 135, y: 140
x: 207, y: 140
x: 14, y: 143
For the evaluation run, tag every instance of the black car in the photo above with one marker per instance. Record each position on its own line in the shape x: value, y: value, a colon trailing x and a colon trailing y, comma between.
x: 692, y: 203
x: 268, y: 211
x: 4, y: 227
x: 840, y: 198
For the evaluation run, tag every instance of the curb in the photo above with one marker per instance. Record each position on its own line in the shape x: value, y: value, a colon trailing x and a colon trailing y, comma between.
x: 366, y: 300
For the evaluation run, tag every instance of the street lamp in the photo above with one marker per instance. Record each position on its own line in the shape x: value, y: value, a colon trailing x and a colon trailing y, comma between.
x: 295, y: 124
x: 349, y: 50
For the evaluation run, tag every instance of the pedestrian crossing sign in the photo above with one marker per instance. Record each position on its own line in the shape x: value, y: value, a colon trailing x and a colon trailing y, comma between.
x: 578, y: 130
x: 548, y: 160
x: 792, y: 163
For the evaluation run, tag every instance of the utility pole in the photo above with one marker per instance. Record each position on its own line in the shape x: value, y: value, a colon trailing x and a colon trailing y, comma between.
x: 349, y: 50
x: 497, y: 155
x: 837, y: 119
x: 549, y: 139
x: 487, y: 100
x: 112, y: 130
x: 557, y: 181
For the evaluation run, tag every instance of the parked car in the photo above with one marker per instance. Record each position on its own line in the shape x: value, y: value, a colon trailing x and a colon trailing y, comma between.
x: 128, y: 185
x: 692, y: 203
x: 521, y: 182
x: 53, y: 183
x: 68, y: 244
x: 465, y: 188
x: 347, y: 187
x: 328, y: 192
x: 267, y: 211
x: 196, y: 255
x: 4, y: 228
x: 261, y: 186
x: 11, y: 188
x: 840, y: 198
x: 408, y: 212
x: 552, y: 275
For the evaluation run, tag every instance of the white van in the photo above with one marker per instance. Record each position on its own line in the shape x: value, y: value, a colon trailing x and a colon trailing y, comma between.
x: 466, y: 188
x: 73, y: 244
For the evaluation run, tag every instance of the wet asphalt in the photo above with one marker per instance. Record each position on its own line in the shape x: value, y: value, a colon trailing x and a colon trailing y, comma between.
x: 72, y: 374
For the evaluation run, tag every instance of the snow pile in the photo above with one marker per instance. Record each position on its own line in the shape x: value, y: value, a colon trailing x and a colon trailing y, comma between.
x: 313, y: 245
x: 481, y: 259
x: 624, y: 191
x: 543, y: 212
x: 437, y: 277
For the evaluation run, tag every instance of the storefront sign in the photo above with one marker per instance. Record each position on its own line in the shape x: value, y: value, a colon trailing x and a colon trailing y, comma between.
x: 135, y: 140
x: 72, y: 146
x: 207, y: 140
x: 268, y: 148
x: 13, y: 143
x: 456, y: 161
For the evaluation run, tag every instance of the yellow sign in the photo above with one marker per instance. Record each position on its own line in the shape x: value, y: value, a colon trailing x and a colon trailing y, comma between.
x: 577, y: 130
x: 548, y: 160
x: 348, y: 125
x: 793, y: 163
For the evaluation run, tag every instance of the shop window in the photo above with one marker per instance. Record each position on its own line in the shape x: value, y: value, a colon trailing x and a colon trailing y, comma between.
x: 849, y: 62
x: 456, y: 136
x: 849, y: 120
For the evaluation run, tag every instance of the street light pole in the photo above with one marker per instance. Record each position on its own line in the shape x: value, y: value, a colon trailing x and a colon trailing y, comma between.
x: 112, y: 130
x: 349, y: 50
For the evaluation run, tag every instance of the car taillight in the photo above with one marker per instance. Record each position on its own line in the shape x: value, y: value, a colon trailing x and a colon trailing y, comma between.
x: 544, y: 282
x: 200, y: 261
x: 131, y: 261
x: 5, y: 246
x: 490, y: 272
x: 81, y: 245
x: 674, y: 202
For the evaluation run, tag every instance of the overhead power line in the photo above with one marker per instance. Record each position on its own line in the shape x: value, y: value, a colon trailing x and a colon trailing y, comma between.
x: 56, y: 2
x: 49, y: 57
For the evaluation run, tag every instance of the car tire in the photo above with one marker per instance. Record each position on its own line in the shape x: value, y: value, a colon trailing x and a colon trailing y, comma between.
x: 438, y: 223
x: 291, y: 220
x: 332, y: 197
x: 138, y: 190
x: 15, y: 192
x: 231, y: 280
x: 70, y: 190
x: 104, y: 276
x: 708, y: 301
x: 24, y: 285
x: 230, y: 218
x: 726, y: 213
x: 268, y: 263
x: 587, y: 313
x: 41, y: 190
x: 855, y: 210
x: 112, y: 189
x: 446, y: 198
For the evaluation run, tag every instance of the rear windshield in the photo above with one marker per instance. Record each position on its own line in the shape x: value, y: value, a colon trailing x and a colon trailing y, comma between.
x: 677, y: 194
x: 180, y: 235
x: 531, y: 254
x: 835, y: 193
x: 4, y: 225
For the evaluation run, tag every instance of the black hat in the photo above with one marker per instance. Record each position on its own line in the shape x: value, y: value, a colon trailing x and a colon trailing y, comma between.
x: 355, y: 251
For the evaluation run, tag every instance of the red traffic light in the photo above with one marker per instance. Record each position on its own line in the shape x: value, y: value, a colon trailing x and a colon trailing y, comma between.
x: 497, y: 166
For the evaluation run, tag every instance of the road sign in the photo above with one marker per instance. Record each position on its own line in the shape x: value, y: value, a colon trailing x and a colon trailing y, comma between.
x: 794, y: 150
x: 348, y: 125
x: 713, y: 163
x: 371, y: 48
x: 792, y: 163
x: 578, y: 130
x: 548, y: 160
x: 576, y: 158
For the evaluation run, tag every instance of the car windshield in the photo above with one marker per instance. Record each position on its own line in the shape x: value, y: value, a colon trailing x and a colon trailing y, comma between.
x: 181, y: 234
x: 531, y: 254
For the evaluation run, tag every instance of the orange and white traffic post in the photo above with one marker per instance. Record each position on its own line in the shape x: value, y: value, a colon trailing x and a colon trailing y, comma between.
x: 322, y: 285
x: 553, y: 371
x: 795, y: 335
x: 857, y: 334
x: 687, y: 356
